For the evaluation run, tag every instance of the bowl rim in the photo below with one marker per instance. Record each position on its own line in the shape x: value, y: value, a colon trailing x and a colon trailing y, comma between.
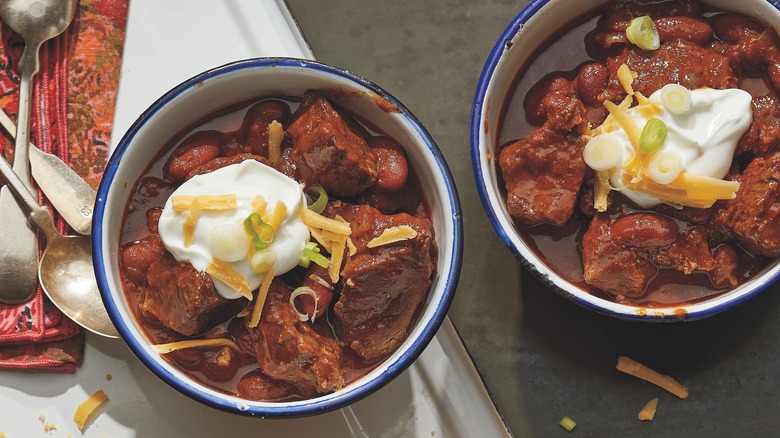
x: 347, y: 395
x: 721, y: 303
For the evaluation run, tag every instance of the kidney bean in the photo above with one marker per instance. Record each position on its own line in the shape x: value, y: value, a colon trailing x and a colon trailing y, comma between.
x: 534, y: 101
x: 685, y: 28
x: 318, y: 280
x: 138, y: 256
x: 391, y: 165
x: 153, y: 218
x: 644, y: 230
x: 255, y: 385
x: 734, y: 28
x: 220, y: 365
x: 773, y: 71
x: 591, y: 82
x: 256, y: 122
x: 197, y: 150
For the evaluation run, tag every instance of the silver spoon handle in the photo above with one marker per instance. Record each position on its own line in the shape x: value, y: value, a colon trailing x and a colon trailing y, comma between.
x: 28, y: 66
x: 40, y: 216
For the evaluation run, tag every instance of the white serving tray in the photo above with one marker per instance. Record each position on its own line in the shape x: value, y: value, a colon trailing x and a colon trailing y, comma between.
x: 440, y: 395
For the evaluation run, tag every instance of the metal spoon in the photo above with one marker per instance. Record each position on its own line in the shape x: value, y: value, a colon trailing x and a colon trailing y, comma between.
x: 35, y: 21
x: 65, y: 269
x: 70, y: 195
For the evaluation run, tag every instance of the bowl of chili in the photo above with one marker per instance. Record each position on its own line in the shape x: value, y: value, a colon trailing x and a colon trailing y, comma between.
x: 547, y: 89
x: 341, y: 143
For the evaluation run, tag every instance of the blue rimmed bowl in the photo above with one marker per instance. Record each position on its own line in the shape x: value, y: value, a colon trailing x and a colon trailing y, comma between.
x: 238, y: 81
x: 536, y: 24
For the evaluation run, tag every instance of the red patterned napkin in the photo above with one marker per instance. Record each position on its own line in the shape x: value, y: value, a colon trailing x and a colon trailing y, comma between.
x: 74, y: 94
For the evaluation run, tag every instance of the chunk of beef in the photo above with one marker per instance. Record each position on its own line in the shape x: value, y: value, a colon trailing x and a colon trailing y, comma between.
x: 327, y: 152
x: 543, y: 174
x: 292, y: 351
x: 611, y: 267
x: 382, y: 286
x: 175, y: 294
x: 754, y: 215
x: 690, y: 252
x: 763, y: 135
x: 678, y: 62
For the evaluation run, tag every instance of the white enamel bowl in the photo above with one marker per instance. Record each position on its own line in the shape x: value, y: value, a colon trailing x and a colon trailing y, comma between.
x: 534, y: 25
x: 234, y: 82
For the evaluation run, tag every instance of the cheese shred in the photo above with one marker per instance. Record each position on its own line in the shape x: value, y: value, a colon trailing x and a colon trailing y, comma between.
x: 87, y: 409
x: 195, y: 343
x: 392, y: 235
x: 636, y: 369
x: 262, y: 295
x: 225, y: 273
x: 648, y: 411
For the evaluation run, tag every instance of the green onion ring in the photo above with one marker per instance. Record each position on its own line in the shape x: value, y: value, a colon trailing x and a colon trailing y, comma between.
x: 261, y: 233
x: 653, y: 136
x: 322, y: 200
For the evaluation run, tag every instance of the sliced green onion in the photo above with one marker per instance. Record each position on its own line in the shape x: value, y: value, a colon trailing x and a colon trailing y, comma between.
x: 261, y: 233
x: 315, y: 256
x: 568, y: 424
x: 603, y: 152
x: 643, y: 33
x: 676, y: 99
x: 262, y: 261
x: 665, y: 166
x: 653, y: 136
x: 311, y: 253
x: 322, y: 199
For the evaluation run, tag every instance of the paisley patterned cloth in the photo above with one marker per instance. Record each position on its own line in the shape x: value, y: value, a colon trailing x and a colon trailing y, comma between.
x: 74, y: 94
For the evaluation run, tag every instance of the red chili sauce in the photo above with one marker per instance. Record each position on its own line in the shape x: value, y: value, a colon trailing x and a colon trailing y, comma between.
x: 379, y: 291
x: 664, y: 256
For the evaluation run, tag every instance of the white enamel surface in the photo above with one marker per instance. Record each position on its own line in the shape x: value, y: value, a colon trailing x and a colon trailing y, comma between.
x: 246, y: 181
x: 439, y: 395
x: 522, y: 45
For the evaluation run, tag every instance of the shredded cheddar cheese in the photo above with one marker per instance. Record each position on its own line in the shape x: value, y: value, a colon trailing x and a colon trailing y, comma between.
x: 315, y: 220
x: 259, y: 204
x: 277, y: 215
x: 392, y: 235
x: 262, y: 295
x: 648, y: 411
x: 336, y: 257
x: 228, y: 275
x: 86, y: 411
x: 626, y: 78
x: 636, y: 369
x: 195, y: 343
x: 275, y: 137
x: 196, y: 204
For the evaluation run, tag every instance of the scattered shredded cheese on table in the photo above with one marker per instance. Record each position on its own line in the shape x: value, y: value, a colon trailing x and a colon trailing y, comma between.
x: 636, y: 369
x: 85, y: 412
x: 648, y: 412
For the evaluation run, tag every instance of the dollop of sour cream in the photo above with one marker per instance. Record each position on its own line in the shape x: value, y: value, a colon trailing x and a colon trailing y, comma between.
x: 246, y: 180
x: 705, y: 137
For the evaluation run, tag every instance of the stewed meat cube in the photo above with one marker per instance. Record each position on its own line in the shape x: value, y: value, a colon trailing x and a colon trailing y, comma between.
x: 382, y: 286
x: 293, y: 351
x: 327, y: 152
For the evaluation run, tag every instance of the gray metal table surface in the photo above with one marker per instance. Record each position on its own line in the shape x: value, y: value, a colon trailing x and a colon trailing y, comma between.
x: 542, y: 357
